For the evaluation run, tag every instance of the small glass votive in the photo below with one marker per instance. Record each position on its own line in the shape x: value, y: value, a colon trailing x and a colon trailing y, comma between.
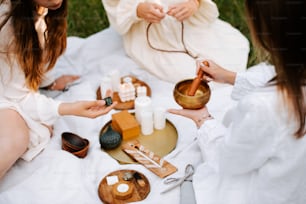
x: 159, y: 115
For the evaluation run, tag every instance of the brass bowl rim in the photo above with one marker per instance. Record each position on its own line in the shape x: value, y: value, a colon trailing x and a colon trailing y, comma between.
x: 199, y: 101
x: 187, y: 80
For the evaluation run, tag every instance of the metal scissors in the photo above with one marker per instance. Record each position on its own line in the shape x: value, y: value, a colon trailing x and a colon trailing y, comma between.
x: 189, y: 171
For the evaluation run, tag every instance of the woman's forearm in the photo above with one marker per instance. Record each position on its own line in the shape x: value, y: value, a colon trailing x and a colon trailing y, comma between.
x: 66, y: 109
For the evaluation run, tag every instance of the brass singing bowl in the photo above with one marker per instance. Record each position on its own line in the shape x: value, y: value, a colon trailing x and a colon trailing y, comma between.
x: 199, y: 100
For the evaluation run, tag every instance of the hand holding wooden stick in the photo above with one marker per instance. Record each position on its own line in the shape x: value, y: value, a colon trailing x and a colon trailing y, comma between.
x: 196, y: 81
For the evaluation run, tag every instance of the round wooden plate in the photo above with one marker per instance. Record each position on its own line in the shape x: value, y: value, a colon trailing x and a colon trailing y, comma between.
x: 139, y: 193
x: 128, y: 104
x: 161, y: 142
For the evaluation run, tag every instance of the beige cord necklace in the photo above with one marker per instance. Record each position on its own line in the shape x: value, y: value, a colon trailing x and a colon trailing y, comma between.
x: 186, y: 51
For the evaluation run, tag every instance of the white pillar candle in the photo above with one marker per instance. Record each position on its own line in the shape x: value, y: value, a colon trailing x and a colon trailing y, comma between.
x: 115, y: 80
x: 143, y: 103
x: 105, y: 85
x: 146, y: 122
x: 159, y: 118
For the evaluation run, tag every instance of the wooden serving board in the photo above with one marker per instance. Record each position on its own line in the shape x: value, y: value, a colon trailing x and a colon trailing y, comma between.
x: 128, y: 104
x: 139, y: 193
x: 149, y: 159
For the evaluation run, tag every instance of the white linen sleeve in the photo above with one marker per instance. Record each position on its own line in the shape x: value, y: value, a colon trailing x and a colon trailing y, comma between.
x: 207, y: 13
x: 244, y: 146
x: 41, y: 108
x: 255, y: 77
x: 122, y: 14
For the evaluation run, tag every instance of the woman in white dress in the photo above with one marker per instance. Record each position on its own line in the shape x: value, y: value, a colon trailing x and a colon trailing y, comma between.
x: 166, y: 37
x: 258, y: 157
x: 29, y: 49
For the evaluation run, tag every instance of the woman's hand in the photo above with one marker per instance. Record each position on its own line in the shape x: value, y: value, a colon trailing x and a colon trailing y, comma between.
x: 89, y: 109
x: 214, y: 72
x: 63, y: 82
x: 199, y: 116
x: 184, y: 10
x: 151, y: 12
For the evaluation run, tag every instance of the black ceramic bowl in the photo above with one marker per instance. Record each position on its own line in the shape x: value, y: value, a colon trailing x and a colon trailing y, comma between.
x: 73, y: 142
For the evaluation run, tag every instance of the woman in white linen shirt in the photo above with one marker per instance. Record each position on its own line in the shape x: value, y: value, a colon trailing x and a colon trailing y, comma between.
x: 165, y: 37
x: 260, y: 156
x: 27, y: 51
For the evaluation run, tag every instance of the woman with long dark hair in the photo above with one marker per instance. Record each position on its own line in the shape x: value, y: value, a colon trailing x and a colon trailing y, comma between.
x: 32, y: 37
x: 259, y: 155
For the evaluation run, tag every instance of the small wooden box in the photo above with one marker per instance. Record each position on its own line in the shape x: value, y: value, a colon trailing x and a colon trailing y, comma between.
x: 126, y: 124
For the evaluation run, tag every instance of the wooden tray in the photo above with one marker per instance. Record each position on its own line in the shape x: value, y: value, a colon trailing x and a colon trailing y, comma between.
x: 128, y: 104
x: 139, y: 193
x: 161, y: 142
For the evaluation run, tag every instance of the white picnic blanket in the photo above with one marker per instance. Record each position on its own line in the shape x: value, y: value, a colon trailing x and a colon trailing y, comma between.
x: 58, y: 177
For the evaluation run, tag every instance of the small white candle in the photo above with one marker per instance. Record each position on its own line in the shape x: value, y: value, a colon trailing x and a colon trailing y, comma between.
x: 146, y: 122
x: 105, y: 85
x: 141, y: 91
x: 159, y: 118
x: 143, y: 103
x: 115, y: 80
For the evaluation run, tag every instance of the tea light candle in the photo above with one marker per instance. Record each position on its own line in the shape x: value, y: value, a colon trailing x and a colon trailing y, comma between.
x: 146, y: 122
x: 159, y: 118
x: 122, y: 190
x: 142, y: 103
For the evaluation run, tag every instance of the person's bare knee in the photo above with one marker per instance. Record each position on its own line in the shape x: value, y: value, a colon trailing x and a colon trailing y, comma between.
x: 14, y: 138
x: 14, y: 128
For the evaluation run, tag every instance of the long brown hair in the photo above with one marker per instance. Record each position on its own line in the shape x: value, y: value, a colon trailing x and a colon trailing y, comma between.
x: 33, y: 59
x: 278, y: 27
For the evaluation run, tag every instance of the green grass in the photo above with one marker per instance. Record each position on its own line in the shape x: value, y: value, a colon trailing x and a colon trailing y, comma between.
x: 233, y: 12
x: 88, y: 17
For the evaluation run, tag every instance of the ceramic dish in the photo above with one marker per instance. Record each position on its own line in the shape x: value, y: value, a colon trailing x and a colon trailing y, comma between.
x: 138, y: 182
